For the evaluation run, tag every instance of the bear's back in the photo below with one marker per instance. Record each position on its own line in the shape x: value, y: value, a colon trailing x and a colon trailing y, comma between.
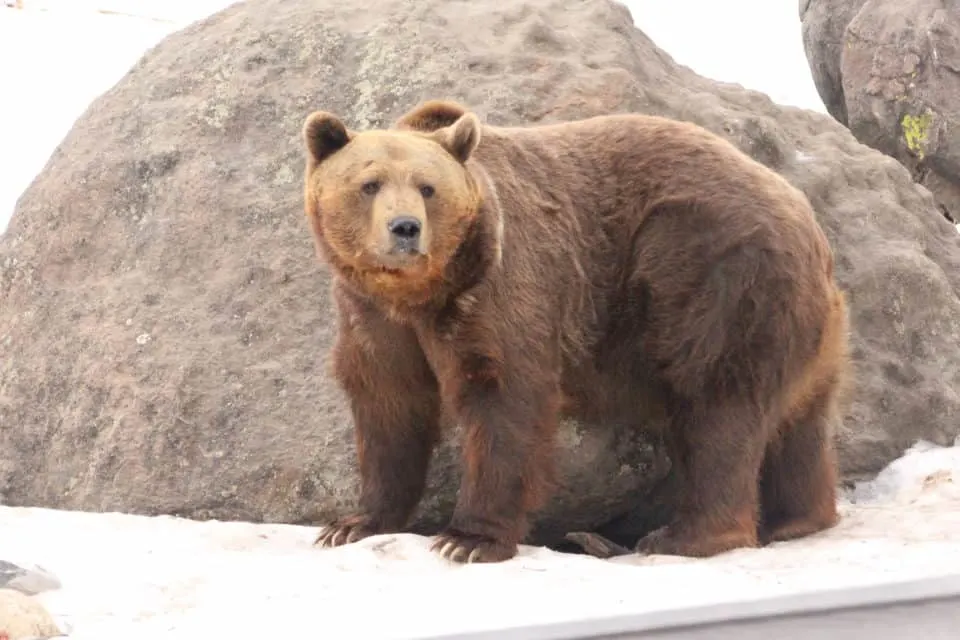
x: 596, y: 179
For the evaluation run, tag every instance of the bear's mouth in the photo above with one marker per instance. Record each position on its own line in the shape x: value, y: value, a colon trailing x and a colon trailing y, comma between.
x: 397, y: 263
x: 390, y: 266
x: 390, y: 270
x: 410, y: 278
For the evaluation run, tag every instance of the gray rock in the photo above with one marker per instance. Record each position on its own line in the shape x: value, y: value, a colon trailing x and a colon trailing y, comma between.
x: 173, y: 210
x: 29, y: 580
x: 824, y: 25
x: 890, y: 71
x: 901, y: 82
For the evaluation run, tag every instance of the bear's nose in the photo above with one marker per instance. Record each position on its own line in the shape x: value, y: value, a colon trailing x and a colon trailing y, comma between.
x: 404, y: 228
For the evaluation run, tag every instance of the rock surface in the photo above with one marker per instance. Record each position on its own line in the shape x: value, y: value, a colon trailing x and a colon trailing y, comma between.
x: 22, y: 618
x: 823, y: 25
x: 890, y: 71
x: 164, y: 322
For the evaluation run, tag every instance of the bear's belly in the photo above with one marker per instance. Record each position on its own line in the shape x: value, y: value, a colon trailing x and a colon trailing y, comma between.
x: 593, y: 396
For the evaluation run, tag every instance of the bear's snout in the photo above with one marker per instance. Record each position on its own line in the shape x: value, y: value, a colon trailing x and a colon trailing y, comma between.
x: 404, y: 234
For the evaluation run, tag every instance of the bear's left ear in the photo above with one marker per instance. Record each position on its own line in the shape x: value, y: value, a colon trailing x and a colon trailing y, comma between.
x: 324, y: 134
x: 461, y: 138
x: 430, y: 116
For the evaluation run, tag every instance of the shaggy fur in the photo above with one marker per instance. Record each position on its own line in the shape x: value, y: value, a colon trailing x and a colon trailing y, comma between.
x: 615, y: 268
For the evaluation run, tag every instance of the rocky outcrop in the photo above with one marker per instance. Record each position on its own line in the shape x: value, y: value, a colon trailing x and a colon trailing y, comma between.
x: 890, y: 71
x: 164, y: 322
x: 823, y: 24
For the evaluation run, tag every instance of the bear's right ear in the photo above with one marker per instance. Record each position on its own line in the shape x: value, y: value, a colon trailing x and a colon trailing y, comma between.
x: 324, y: 134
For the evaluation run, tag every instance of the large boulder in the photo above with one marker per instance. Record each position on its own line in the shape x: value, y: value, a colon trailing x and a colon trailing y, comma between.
x: 164, y: 322
x: 890, y: 71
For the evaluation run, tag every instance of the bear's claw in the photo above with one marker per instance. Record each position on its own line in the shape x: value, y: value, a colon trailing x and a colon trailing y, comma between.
x: 345, y: 531
x: 469, y: 548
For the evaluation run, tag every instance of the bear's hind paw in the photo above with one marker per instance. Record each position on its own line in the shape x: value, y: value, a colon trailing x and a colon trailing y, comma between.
x: 665, y: 541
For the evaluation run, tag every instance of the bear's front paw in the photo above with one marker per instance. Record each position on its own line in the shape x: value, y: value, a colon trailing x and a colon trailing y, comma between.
x: 347, y: 529
x: 465, y: 547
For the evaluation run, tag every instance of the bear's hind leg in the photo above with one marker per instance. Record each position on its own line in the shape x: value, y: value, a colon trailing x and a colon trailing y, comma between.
x: 719, y: 457
x: 799, y: 477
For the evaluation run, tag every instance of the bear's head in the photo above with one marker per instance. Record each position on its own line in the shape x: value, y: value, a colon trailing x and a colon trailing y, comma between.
x: 389, y: 209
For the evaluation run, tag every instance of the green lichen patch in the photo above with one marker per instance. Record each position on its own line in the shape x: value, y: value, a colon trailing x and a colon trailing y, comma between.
x: 916, y: 132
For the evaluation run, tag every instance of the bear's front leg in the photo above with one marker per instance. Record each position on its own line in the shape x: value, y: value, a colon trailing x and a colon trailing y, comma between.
x: 396, y: 408
x: 510, y: 424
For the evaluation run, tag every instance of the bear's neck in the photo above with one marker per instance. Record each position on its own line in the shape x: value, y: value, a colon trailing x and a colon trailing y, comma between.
x: 475, y: 258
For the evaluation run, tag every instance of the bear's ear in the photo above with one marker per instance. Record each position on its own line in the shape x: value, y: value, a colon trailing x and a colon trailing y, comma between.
x: 461, y: 138
x: 324, y: 134
x: 430, y: 116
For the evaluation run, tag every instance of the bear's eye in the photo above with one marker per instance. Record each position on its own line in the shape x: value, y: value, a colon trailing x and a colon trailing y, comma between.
x: 371, y: 187
x: 427, y: 191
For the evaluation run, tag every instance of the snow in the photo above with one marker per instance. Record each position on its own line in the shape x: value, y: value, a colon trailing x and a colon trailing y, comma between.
x: 130, y: 576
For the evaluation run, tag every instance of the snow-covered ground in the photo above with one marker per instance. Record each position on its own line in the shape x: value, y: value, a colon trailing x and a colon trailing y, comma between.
x: 128, y: 577
x: 134, y: 577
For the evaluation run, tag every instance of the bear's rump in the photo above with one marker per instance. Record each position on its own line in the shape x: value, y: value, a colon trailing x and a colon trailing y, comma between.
x: 706, y: 307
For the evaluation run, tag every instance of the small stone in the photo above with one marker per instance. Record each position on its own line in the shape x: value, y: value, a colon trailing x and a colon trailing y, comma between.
x: 28, y: 580
x: 22, y: 617
x: 910, y: 63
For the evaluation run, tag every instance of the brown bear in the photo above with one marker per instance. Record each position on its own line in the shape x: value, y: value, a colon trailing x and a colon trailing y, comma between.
x: 616, y: 268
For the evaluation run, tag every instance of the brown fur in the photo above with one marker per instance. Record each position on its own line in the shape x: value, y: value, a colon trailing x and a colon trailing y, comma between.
x: 619, y: 268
